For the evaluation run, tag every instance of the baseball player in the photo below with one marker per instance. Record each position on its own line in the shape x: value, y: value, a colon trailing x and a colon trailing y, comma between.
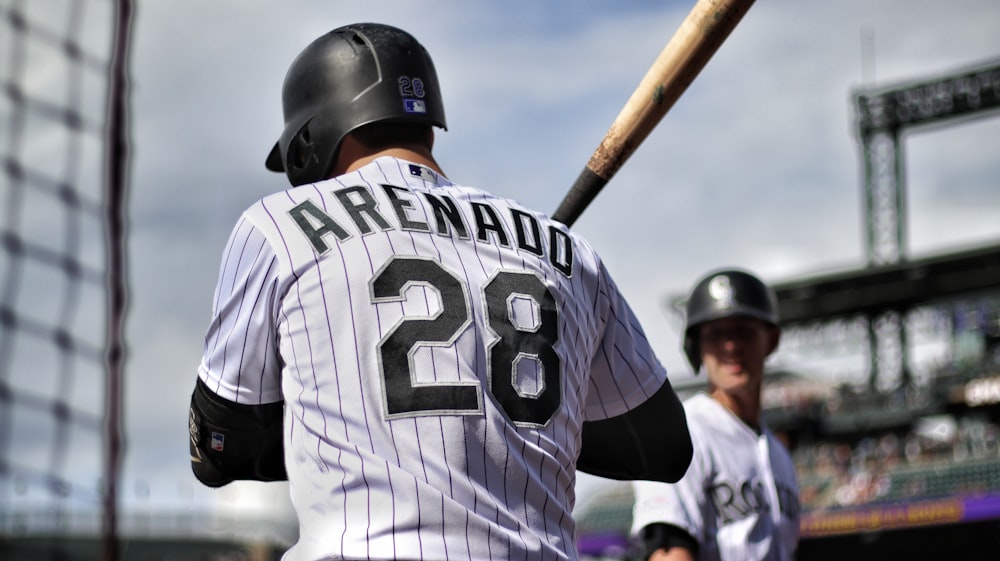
x: 428, y: 364
x: 739, y: 498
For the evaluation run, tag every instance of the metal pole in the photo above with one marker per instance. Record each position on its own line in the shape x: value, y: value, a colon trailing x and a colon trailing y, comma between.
x: 115, y: 191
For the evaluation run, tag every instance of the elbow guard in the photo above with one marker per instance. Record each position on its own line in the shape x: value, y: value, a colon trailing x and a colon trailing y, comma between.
x: 233, y: 441
x: 651, y: 441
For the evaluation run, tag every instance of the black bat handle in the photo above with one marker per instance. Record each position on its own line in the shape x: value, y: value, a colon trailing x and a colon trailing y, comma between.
x: 583, y: 191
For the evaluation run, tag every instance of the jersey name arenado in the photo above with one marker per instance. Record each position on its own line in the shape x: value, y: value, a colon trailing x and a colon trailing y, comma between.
x: 739, y: 498
x: 437, y: 349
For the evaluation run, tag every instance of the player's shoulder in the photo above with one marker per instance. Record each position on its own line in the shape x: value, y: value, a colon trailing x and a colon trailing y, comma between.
x: 701, y: 404
x: 270, y: 215
x: 701, y: 412
x: 706, y: 415
x: 276, y: 203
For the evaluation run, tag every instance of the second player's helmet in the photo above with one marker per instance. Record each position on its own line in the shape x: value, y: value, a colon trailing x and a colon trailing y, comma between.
x: 352, y: 76
x: 726, y: 293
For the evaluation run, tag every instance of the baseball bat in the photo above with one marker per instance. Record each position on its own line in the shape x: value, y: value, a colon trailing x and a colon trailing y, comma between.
x: 700, y: 34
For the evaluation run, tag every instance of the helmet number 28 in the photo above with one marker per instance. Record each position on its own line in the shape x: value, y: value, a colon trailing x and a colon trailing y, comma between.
x: 404, y: 396
x: 411, y: 87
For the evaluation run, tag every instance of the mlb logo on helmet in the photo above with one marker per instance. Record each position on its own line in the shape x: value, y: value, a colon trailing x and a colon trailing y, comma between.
x: 414, y: 105
x: 218, y: 441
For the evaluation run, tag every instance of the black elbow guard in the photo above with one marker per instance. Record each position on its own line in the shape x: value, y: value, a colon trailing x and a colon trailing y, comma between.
x: 651, y: 441
x: 232, y: 441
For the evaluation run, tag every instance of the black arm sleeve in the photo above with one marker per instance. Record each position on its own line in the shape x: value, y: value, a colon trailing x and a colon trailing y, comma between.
x: 649, y: 442
x: 232, y: 441
x: 665, y: 536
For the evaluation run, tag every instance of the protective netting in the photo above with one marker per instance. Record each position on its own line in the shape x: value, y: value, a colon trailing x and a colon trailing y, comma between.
x: 61, y: 290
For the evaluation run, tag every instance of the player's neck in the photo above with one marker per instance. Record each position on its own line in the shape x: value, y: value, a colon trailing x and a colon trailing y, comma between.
x: 354, y: 155
x: 744, y: 405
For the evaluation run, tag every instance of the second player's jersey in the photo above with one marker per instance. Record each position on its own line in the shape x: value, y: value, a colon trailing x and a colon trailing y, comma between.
x: 437, y: 349
x: 739, y: 498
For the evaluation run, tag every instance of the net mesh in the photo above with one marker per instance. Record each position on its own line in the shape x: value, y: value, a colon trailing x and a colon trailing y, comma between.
x: 57, y: 74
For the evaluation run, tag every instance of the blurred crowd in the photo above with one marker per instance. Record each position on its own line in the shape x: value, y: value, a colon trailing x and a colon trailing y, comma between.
x: 938, y: 456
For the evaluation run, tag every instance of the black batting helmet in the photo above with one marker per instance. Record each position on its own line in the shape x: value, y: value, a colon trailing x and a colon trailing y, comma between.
x: 352, y: 76
x: 726, y: 293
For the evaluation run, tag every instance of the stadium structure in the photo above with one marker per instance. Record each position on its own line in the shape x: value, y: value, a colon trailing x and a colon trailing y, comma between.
x: 891, y: 465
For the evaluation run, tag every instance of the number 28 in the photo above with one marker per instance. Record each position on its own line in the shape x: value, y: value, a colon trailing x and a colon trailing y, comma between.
x: 411, y: 87
x: 404, y: 396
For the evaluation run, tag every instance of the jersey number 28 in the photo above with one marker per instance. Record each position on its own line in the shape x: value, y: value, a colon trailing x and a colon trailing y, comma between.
x: 404, y: 396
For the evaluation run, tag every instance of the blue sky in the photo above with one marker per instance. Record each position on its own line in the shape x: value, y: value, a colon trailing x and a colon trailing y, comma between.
x: 756, y: 166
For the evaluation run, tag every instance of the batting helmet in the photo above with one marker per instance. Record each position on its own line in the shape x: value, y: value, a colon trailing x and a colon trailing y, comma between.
x: 726, y: 293
x: 352, y: 76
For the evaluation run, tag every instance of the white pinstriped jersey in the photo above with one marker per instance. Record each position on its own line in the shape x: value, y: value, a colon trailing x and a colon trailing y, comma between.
x: 437, y: 349
x: 739, y: 498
